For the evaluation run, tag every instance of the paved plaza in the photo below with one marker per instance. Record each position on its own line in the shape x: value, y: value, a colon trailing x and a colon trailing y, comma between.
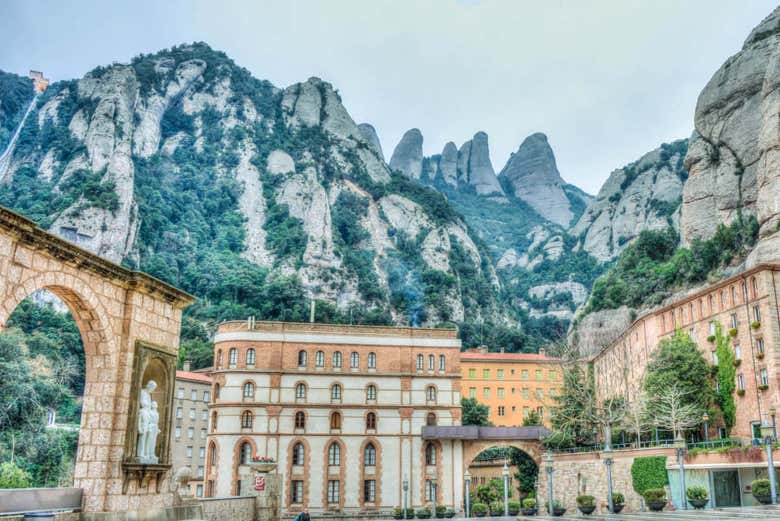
x: 720, y: 514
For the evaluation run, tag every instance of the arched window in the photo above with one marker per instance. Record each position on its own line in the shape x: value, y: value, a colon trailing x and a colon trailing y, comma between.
x: 371, y: 392
x: 442, y: 362
x: 212, y: 455
x: 233, y: 356
x: 334, y: 454
x: 372, y: 360
x: 249, y: 390
x: 300, y: 420
x: 430, y: 420
x: 430, y: 454
x: 754, y: 286
x: 298, y: 454
x: 214, y: 421
x: 744, y: 291
x: 430, y: 393
x: 250, y: 356
x: 335, y: 421
x: 319, y: 359
x: 216, y: 391
x: 354, y: 360
x: 337, y: 359
x: 431, y: 362
x: 369, y: 455
x: 335, y: 392
x: 371, y: 421
x: 301, y: 358
x: 246, y: 420
x: 219, y: 359
x: 711, y: 303
x: 420, y: 362
x: 300, y: 391
x: 245, y: 453
x: 430, y: 490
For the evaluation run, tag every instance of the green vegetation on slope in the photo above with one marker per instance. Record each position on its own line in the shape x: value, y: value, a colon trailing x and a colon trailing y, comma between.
x: 16, y: 92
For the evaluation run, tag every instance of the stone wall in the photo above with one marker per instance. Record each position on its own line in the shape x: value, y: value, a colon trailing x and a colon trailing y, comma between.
x: 228, y: 508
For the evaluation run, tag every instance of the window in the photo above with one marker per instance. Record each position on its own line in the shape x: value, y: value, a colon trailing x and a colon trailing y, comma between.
x: 429, y: 490
x: 371, y: 421
x: 204, y: 414
x: 734, y: 320
x: 199, y: 490
x: 540, y: 411
x: 333, y: 491
x: 300, y: 391
x: 334, y: 454
x: 178, y: 432
x: 190, y: 433
x: 539, y: 394
x: 192, y: 413
x: 203, y: 434
x: 202, y: 452
x: 430, y: 420
x: 301, y: 358
x: 250, y: 356
x: 472, y: 392
x: 245, y: 453
x: 246, y: 420
x: 524, y: 374
x: 213, y: 455
x: 500, y: 410
x: 500, y: 374
x: 420, y: 362
x: 179, y: 412
x: 733, y: 295
x: 354, y: 360
x: 371, y: 392
x: 372, y: 360
x: 200, y: 471
x: 300, y: 420
x: 756, y: 314
x: 712, y: 327
x: 431, y: 362
x: 335, y: 421
x: 430, y: 454
x: 714, y: 358
x: 335, y: 392
x: 486, y: 374
x: 722, y: 299
x: 180, y: 393
x: 711, y: 304
x: 472, y: 373
x: 319, y: 359
x: 740, y: 382
x: 553, y: 392
x: 193, y: 395
x: 298, y: 454
x: 233, y: 356
x: 764, y: 377
x: 760, y: 345
x: 369, y: 491
x: 553, y: 375
x: 526, y: 412
x: 206, y: 396
x: 369, y: 455
x: 219, y: 359
x: 442, y: 362
x: 738, y: 352
x: 214, y: 421
x: 430, y: 393
x: 296, y: 491
x: 216, y: 391
x: 692, y: 334
x: 500, y: 392
x: 249, y: 390
x: 744, y: 291
x: 337, y: 360
x: 526, y: 393
x: 538, y: 375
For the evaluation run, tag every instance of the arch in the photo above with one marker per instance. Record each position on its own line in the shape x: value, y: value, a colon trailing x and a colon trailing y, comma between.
x: 335, y: 421
x: 371, y: 473
x: 484, y: 466
x: 247, y: 420
x: 371, y: 392
x: 430, y: 419
x: 431, y: 468
x: 336, y: 392
x: 248, y: 390
x: 371, y: 421
x: 301, y: 391
x: 243, y: 451
x: 212, y: 467
x: 299, y: 420
x: 334, y: 472
x: 250, y: 357
x: 301, y: 473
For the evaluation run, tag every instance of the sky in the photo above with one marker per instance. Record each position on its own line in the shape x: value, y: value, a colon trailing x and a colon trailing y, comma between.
x: 607, y: 81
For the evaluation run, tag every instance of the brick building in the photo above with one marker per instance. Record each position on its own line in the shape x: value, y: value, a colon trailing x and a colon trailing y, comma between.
x: 190, y: 424
x: 330, y: 401
x: 512, y: 384
x: 746, y: 302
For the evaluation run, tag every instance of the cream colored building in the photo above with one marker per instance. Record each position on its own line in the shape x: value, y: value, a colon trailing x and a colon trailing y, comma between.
x: 190, y: 424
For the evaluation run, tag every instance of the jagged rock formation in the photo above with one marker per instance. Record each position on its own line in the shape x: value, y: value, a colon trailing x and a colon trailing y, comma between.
x: 732, y: 158
x: 597, y: 330
x: 475, y: 168
x: 407, y: 157
x: 369, y: 134
x: 644, y: 195
x: 532, y: 175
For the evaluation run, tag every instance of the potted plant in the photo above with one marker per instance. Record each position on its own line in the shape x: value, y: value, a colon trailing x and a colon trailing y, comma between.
x: 497, y: 508
x: 586, y: 504
x: 711, y: 338
x: 514, y: 507
x: 529, y: 506
x: 262, y: 464
x: 698, y: 496
x: 760, y: 355
x: 733, y: 331
x: 423, y: 513
x: 763, y: 387
x: 737, y: 362
x: 441, y: 511
x: 479, y: 509
x: 761, y: 490
x: 741, y: 392
x: 756, y: 324
x: 398, y: 513
x: 449, y: 514
x: 655, y: 499
x: 618, y: 502
x: 558, y: 508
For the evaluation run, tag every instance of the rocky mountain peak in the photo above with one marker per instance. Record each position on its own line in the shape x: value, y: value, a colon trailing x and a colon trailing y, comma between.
x: 448, y: 164
x: 476, y: 169
x: 369, y: 134
x: 408, y: 154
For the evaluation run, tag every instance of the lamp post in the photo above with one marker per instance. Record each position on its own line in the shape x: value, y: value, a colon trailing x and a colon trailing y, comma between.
x: 505, y: 473
x: 608, y: 463
x: 706, y: 419
x: 548, y: 465
x: 406, y: 497
x: 766, y: 432
x: 467, y: 477
x: 434, y: 485
x: 679, y: 444
x: 772, y: 413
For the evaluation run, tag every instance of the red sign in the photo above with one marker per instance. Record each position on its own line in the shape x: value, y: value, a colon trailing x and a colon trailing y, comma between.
x: 260, y: 482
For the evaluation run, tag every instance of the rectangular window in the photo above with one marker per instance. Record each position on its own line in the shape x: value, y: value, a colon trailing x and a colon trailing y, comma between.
x: 740, y: 382
x: 206, y: 396
x: 200, y: 471
x: 692, y: 334
x: 764, y: 377
x: 472, y: 392
x: 553, y: 375
x: 179, y: 412
x: 500, y: 374
x: 190, y: 433
x: 203, y: 434
x: 756, y: 314
x: 552, y: 392
x: 369, y: 491
x: 333, y: 491
x: 193, y: 395
x: 524, y: 374
x: 501, y: 411
x: 712, y: 327
x: 296, y: 491
x: 538, y: 375
x: 486, y: 374
x: 526, y: 412
x: 472, y: 373
x: 738, y: 352
x: 714, y: 358
x: 180, y: 393
x: 526, y: 393
x: 177, y: 432
x: 539, y: 394
x: 500, y: 392
x: 734, y: 320
x: 760, y: 345
x: 486, y: 392
x: 189, y: 451
x: 204, y: 414
x: 202, y: 452
x: 192, y: 413
x: 199, y: 490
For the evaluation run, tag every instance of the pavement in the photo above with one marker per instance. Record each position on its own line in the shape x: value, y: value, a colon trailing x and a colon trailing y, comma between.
x: 717, y: 514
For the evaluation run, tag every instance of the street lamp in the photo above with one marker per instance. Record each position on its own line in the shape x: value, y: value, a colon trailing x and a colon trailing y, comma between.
x: 679, y: 444
x: 608, y: 463
x: 434, y: 486
x: 706, y: 419
x: 406, y: 497
x: 505, y: 473
x: 772, y: 412
x: 548, y: 465
x: 766, y: 432
x: 467, y: 477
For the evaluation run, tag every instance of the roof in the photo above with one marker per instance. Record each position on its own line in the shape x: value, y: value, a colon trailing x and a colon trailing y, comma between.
x: 505, y: 357
x: 193, y: 377
x: 473, y: 432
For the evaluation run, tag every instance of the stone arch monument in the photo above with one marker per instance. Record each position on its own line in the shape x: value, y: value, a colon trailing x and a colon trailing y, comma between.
x: 129, y: 323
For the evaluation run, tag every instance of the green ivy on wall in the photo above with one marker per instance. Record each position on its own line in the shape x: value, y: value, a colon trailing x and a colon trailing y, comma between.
x: 649, y: 472
x: 727, y: 372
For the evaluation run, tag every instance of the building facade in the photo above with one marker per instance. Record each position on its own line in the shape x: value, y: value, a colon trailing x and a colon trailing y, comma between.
x: 190, y: 425
x: 511, y: 384
x: 746, y: 305
x: 340, y: 409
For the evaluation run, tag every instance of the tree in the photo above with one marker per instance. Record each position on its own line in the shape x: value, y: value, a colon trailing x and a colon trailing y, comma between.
x: 12, y: 476
x: 636, y: 419
x: 727, y: 372
x: 674, y: 410
x: 533, y: 418
x: 473, y: 412
x: 571, y: 426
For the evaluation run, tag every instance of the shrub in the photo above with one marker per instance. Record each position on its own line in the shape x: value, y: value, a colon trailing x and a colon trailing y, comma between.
x: 529, y: 502
x: 497, y: 507
x: 479, y: 508
x: 756, y: 324
x: 733, y: 331
x: 586, y: 501
x: 441, y: 510
x: 711, y: 338
x: 697, y: 492
x: 423, y: 513
x: 649, y: 472
x: 618, y: 499
x: 514, y: 507
x: 12, y: 476
x: 655, y: 495
x: 760, y: 488
x: 556, y: 504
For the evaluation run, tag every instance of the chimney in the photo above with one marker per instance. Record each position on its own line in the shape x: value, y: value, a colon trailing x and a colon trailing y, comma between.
x: 483, y: 349
x: 312, y: 307
x: 186, y: 366
x: 542, y: 351
x: 501, y: 350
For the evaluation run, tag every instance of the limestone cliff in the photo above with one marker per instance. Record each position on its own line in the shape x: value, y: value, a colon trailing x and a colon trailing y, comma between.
x: 407, y: 157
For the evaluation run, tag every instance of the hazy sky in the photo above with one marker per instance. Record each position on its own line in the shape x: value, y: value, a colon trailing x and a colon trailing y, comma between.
x: 606, y: 80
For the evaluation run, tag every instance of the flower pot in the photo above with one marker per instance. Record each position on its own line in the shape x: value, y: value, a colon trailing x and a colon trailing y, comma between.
x: 617, y: 508
x: 262, y: 466
x: 558, y: 512
x: 656, y: 506
x: 698, y: 503
x: 514, y: 511
x: 481, y: 514
x: 528, y: 511
x: 449, y: 514
x: 587, y: 510
x: 764, y: 500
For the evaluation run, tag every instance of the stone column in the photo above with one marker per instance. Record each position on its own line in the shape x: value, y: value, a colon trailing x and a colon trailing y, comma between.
x: 267, y: 501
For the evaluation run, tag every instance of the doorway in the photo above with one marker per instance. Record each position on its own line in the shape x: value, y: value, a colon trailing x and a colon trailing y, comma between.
x: 726, y: 489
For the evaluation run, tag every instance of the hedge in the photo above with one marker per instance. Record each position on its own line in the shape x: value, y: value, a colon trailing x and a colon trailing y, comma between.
x: 649, y: 472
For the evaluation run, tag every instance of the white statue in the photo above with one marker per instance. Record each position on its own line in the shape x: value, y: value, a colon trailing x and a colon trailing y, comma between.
x: 148, y: 429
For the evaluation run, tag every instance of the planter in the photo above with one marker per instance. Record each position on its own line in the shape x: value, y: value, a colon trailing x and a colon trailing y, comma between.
x: 449, y: 514
x: 558, y: 512
x: 513, y: 511
x: 763, y: 387
x: 656, y: 506
x: 741, y: 392
x: 764, y: 500
x: 698, y: 504
x: 616, y: 509
x: 262, y: 466
x: 733, y: 331
x: 737, y: 361
x: 587, y: 510
x: 528, y: 511
x: 760, y: 355
x: 711, y: 338
x: 756, y: 324
x: 480, y: 514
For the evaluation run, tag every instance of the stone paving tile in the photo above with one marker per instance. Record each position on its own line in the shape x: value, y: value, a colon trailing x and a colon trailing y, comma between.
x: 726, y: 514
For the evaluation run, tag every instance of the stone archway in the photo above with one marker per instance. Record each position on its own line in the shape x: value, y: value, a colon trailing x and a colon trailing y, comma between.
x: 129, y: 324
x: 484, y: 460
x: 472, y: 449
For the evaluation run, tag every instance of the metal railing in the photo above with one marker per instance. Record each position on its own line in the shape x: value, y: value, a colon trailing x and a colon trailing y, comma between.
x: 648, y: 444
x: 716, y: 444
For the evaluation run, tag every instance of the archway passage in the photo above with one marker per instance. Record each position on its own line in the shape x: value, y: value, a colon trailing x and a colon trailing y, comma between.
x: 486, y: 469
x: 128, y: 321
